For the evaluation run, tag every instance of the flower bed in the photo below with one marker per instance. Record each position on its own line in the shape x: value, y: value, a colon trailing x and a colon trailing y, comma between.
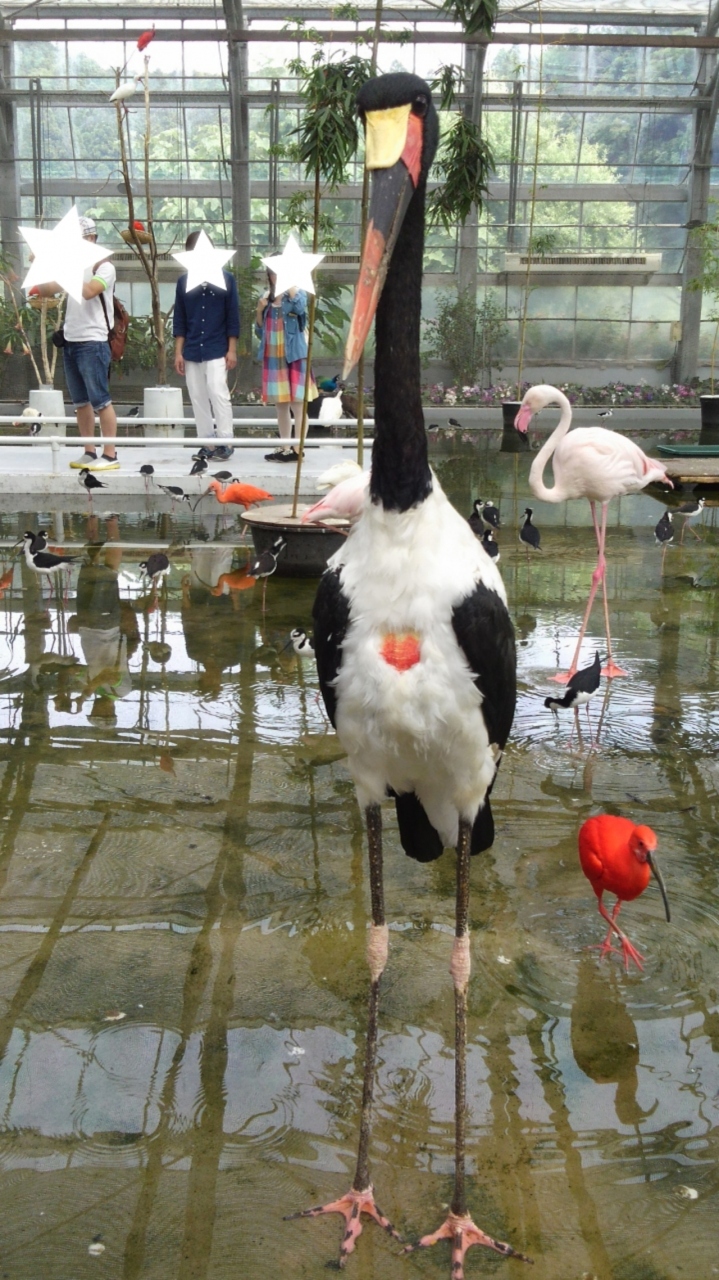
x: 619, y: 394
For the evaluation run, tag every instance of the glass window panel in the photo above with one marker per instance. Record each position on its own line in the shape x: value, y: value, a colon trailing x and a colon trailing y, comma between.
x: 652, y: 303
x: 651, y: 340
x: 601, y: 339
x: 603, y: 302
x: 551, y: 302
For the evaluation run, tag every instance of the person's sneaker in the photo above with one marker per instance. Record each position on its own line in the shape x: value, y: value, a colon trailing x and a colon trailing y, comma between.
x: 222, y: 453
x: 104, y: 463
x: 87, y: 460
x: 280, y: 455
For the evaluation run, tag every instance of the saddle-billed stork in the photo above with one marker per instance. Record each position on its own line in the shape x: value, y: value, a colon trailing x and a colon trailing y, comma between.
x: 414, y: 645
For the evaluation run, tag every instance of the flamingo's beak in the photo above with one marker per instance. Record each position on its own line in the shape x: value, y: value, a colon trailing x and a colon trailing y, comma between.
x: 658, y: 877
x: 394, y: 141
x: 523, y: 419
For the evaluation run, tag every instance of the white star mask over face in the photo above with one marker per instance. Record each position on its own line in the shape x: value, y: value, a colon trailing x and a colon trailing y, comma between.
x: 293, y: 268
x: 204, y: 263
x: 62, y: 255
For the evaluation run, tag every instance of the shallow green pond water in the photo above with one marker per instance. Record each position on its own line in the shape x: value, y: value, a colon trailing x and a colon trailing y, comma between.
x: 182, y: 924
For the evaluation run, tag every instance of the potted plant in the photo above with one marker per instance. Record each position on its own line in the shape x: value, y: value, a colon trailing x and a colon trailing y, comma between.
x: 28, y: 324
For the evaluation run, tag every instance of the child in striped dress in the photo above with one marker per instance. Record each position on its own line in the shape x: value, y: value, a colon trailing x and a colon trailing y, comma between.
x: 281, y: 327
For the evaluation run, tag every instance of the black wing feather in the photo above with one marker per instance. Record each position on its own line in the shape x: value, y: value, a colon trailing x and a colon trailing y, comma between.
x: 485, y: 635
x: 331, y: 618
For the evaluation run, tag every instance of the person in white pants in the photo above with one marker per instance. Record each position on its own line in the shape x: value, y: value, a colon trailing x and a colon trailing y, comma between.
x: 206, y: 326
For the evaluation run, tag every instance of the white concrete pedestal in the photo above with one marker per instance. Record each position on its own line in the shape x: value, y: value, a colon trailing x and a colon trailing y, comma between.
x: 49, y: 401
x: 164, y: 402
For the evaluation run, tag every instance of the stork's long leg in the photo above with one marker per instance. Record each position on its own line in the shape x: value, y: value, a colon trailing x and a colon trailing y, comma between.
x: 360, y: 1198
x: 458, y: 1225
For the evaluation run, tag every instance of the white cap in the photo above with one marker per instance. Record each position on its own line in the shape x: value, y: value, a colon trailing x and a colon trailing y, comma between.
x: 87, y: 226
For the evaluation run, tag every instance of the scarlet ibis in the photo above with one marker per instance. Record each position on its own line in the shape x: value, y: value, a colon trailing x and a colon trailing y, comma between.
x: 145, y: 39
x: 591, y: 463
x: 240, y: 580
x: 238, y: 493
x: 414, y: 644
x: 529, y: 534
x: 618, y: 857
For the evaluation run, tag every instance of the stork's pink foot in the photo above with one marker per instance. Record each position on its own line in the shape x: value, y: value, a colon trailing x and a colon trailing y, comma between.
x: 351, y: 1206
x: 461, y: 1230
x: 611, y: 671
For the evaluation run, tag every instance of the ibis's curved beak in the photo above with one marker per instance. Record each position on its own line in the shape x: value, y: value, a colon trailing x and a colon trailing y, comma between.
x: 394, y: 152
x: 658, y: 877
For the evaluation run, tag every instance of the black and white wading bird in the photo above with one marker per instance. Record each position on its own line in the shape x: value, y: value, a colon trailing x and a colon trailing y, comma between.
x: 90, y: 483
x: 414, y: 645
x: 301, y: 643
x: 581, y: 688
x: 664, y: 533
x: 489, y: 514
x: 147, y: 471
x: 43, y: 562
x: 490, y: 545
x: 175, y: 493
x: 155, y: 567
x: 31, y: 417
x: 199, y: 463
x: 690, y: 510
x: 264, y: 566
x: 604, y: 413
x: 529, y: 534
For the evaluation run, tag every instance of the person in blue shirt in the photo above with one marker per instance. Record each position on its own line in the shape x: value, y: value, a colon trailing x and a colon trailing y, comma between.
x: 206, y: 326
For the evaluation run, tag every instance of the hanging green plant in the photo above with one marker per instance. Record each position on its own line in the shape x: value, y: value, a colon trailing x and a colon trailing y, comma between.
x: 464, y: 165
x: 476, y: 17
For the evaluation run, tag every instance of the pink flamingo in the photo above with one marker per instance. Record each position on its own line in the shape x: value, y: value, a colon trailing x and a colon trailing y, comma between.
x: 592, y: 463
x: 346, y: 501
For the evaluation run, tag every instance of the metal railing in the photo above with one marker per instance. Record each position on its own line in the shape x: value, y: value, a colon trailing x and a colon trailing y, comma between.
x: 56, y: 443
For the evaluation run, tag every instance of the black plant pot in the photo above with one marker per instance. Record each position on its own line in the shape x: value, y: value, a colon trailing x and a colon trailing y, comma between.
x: 512, y: 440
x: 709, y: 407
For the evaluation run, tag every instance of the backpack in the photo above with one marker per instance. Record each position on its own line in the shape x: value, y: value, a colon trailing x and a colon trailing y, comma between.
x: 117, y: 335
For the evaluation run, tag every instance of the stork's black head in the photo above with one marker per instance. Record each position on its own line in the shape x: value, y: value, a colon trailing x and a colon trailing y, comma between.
x: 401, y: 135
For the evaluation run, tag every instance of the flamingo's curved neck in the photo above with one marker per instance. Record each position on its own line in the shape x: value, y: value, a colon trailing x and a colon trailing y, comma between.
x: 536, y: 481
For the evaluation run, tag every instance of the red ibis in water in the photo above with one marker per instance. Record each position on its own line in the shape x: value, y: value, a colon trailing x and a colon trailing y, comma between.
x: 618, y: 857
x: 591, y: 463
x: 414, y: 645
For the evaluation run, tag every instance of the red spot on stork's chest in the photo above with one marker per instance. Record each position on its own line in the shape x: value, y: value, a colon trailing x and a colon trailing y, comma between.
x: 400, y: 650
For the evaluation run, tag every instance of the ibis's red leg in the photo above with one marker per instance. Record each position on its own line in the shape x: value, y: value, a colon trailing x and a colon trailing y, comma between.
x: 458, y: 1226
x: 360, y: 1197
x: 628, y: 951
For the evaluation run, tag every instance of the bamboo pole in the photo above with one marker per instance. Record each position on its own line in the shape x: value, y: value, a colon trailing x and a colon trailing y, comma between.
x: 310, y: 337
x: 363, y: 232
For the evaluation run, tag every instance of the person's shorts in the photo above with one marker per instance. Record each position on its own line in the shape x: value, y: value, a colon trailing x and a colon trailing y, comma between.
x: 87, y: 367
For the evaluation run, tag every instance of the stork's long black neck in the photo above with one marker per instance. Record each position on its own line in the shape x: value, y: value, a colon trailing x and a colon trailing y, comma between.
x: 401, y: 477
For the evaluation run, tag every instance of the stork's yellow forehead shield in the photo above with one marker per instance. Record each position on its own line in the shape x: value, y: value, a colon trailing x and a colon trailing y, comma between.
x: 385, y: 136
x: 393, y: 151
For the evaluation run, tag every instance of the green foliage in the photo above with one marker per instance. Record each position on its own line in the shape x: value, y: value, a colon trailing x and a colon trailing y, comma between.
x: 542, y: 243
x: 447, y: 83
x: 476, y: 17
x: 247, y: 293
x: 707, y: 237
x: 464, y: 164
x: 328, y: 133
x: 466, y: 336
x: 141, y: 346
x: 298, y: 217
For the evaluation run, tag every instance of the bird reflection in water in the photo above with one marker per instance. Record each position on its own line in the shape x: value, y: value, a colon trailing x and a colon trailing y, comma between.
x: 209, y: 622
x: 106, y: 626
x: 605, y: 1042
